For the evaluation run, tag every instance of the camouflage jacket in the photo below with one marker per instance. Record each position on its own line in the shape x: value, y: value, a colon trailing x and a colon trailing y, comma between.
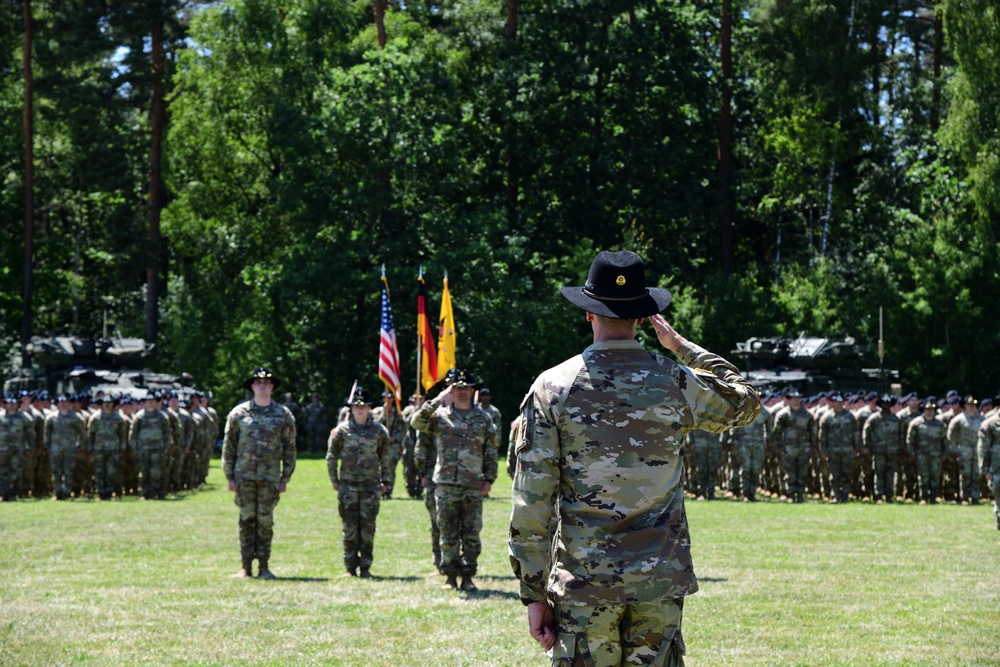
x: 198, y: 433
x: 883, y: 433
x: 63, y: 432
x: 989, y: 447
x: 925, y: 437
x: 963, y: 433
x: 599, y: 448
x: 17, y: 432
x: 259, y: 443
x: 754, y: 436
x: 424, y: 455
x: 150, y: 431
x: 795, y: 429
x: 175, y: 427
x: 107, y: 432
x: 838, y: 432
x: 363, y: 453
x: 466, y: 445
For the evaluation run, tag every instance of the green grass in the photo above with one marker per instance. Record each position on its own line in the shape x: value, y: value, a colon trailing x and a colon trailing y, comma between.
x: 148, y: 583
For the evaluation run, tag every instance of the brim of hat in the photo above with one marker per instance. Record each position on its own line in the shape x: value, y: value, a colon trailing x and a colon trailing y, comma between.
x: 654, y: 302
x: 275, y: 383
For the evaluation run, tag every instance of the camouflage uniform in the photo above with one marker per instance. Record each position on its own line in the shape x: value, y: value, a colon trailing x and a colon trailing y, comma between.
x: 599, y: 451
x: 17, y: 438
x: 395, y: 424
x: 150, y: 436
x: 963, y: 435
x: 107, y: 433
x: 989, y: 459
x: 706, y: 452
x: 497, y: 418
x: 192, y: 462
x: 363, y: 453
x: 172, y: 454
x: 926, y: 440
x: 258, y: 455
x: 425, y: 455
x: 63, y: 437
x: 300, y: 432
x: 838, y: 440
x: 750, y: 443
x: 410, y: 472
x: 795, y: 436
x: 465, y: 443
x: 882, y: 435
x: 37, y: 476
x: 316, y: 430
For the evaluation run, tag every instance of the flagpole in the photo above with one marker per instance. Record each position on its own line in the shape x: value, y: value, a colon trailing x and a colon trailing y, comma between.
x: 420, y: 339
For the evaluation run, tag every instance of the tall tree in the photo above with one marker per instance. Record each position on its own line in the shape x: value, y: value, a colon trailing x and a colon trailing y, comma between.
x: 29, y: 186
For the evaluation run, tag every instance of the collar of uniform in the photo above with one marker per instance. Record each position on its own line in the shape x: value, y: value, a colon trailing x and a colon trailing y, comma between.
x: 624, y: 344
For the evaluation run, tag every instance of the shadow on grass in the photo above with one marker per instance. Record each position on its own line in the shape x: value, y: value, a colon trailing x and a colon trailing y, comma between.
x: 712, y: 580
x: 489, y: 593
x: 303, y: 579
x: 376, y: 577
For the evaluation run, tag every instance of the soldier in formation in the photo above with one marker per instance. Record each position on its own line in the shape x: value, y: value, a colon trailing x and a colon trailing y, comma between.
x: 63, y: 438
x: 107, y: 434
x: 963, y: 437
x: 795, y: 437
x: 152, y: 440
x: 988, y: 446
x: 17, y: 438
x: 705, y: 452
x: 357, y: 461
x: 749, y: 444
x: 838, y: 437
x: 882, y: 435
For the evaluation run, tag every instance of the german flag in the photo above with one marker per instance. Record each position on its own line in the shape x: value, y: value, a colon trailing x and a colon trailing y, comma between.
x: 426, y: 342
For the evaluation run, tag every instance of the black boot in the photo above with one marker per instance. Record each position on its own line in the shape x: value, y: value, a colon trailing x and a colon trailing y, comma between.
x: 264, y: 573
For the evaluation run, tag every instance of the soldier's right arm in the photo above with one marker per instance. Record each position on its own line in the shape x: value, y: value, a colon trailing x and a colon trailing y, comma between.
x: 334, y: 445
x: 422, y: 419
x: 229, y: 445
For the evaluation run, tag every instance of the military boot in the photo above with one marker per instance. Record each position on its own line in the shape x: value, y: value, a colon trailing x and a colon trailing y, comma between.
x: 264, y: 573
x: 365, y: 574
x: 467, y: 584
x: 452, y: 582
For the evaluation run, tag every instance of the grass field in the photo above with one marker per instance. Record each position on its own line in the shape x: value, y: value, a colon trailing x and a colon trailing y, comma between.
x: 148, y: 583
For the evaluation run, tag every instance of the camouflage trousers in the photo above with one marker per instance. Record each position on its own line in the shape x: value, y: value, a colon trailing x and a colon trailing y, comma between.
x: 885, y: 473
x: 460, y: 520
x: 129, y: 471
x: 613, y: 635
x: 706, y: 465
x: 410, y: 473
x: 31, y: 484
x: 256, y: 500
x: 431, y: 505
x: 358, y: 506
x: 11, y: 471
x: 83, y: 474
x: 106, y: 472
x: 929, y: 472
x: 841, y: 473
x: 796, y: 462
x: 968, y: 471
x: 63, y: 462
x: 751, y: 463
x: 153, y: 468
x: 177, y: 457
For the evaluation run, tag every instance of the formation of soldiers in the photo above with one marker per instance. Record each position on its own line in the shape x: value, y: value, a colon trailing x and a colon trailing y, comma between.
x: 79, y: 445
x: 856, y: 446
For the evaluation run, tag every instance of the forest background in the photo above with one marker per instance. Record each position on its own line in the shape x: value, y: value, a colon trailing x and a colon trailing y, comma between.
x: 227, y: 178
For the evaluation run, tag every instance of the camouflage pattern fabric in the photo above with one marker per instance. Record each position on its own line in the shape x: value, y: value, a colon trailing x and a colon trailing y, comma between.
x: 63, y: 437
x: 192, y: 464
x: 315, y: 423
x: 963, y: 437
x: 497, y: 418
x: 989, y: 458
x: 795, y: 437
x: 750, y: 443
x: 396, y: 425
x: 838, y: 437
x: 151, y: 437
x: 612, y: 635
x: 926, y: 440
x: 465, y: 444
x: 256, y: 500
x: 17, y: 438
x: 706, y: 452
x: 459, y: 520
x: 601, y: 440
x: 358, y: 507
x: 882, y: 435
x: 108, y: 436
x: 37, y: 474
x: 410, y: 472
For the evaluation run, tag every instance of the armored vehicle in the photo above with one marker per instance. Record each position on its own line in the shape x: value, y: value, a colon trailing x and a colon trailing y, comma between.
x: 811, y: 365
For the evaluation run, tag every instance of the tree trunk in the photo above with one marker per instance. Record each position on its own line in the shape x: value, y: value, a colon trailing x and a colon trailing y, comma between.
x: 29, y: 187
x: 380, y: 6
x: 938, y: 46
x: 510, y: 132
x: 157, y: 192
x: 725, y: 166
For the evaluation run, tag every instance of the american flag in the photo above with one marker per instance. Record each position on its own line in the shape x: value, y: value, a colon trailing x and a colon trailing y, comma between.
x: 388, y: 351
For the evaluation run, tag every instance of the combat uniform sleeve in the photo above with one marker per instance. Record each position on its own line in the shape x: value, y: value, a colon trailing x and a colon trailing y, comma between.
x: 422, y: 419
x: 823, y: 433
x: 334, y: 445
x: 491, y: 455
x: 230, y: 441
x: 92, y: 432
x: 718, y: 395
x: 955, y: 427
x: 288, y: 452
x: 533, y: 496
x: 855, y: 435
x: 384, y: 459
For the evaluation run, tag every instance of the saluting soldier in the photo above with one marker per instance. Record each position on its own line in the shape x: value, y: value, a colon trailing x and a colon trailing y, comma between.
x: 926, y: 441
x: 359, y: 447
x: 17, y: 438
x: 838, y: 442
x: 795, y: 437
x: 963, y: 437
x: 107, y: 433
x: 63, y: 437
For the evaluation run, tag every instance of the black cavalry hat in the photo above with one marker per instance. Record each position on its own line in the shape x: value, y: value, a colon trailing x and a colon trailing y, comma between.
x: 616, y: 287
x: 262, y: 373
x: 361, y: 397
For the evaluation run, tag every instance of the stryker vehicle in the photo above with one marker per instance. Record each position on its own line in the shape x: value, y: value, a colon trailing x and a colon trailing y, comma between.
x: 811, y: 365
x: 70, y: 365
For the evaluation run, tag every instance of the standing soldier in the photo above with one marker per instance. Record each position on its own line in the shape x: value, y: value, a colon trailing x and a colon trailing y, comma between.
x: 185, y: 437
x: 486, y: 403
x: 963, y: 436
x: 296, y: 410
x: 388, y: 416
x: 37, y: 475
x: 192, y: 462
x: 795, y: 437
x: 130, y: 458
x: 926, y: 442
x: 361, y: 446
x: 907, y: 484
x: 63, y: 437
x: 706, y: 452
x: 172, y: 454
x: 107, y: 432
x: 466, y: 466
x: 316, y: 429
x: 750, y: 443
x: 17, y: 438
x: 882, y: 435
x: 410, y: 472
x: 209, y: 432
x: 258, y: 459
x: 151, y: 437
x: 989, y: 459
x: 838, y: 443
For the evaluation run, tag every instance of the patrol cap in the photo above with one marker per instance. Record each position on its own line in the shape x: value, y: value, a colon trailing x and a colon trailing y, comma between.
x: 262, y: 373
x: 986, y: 401
x: 462, y: 378
x: 871, y: 396
x: 836, y: 397
x: 485, y: 391
x: 616, y: 287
